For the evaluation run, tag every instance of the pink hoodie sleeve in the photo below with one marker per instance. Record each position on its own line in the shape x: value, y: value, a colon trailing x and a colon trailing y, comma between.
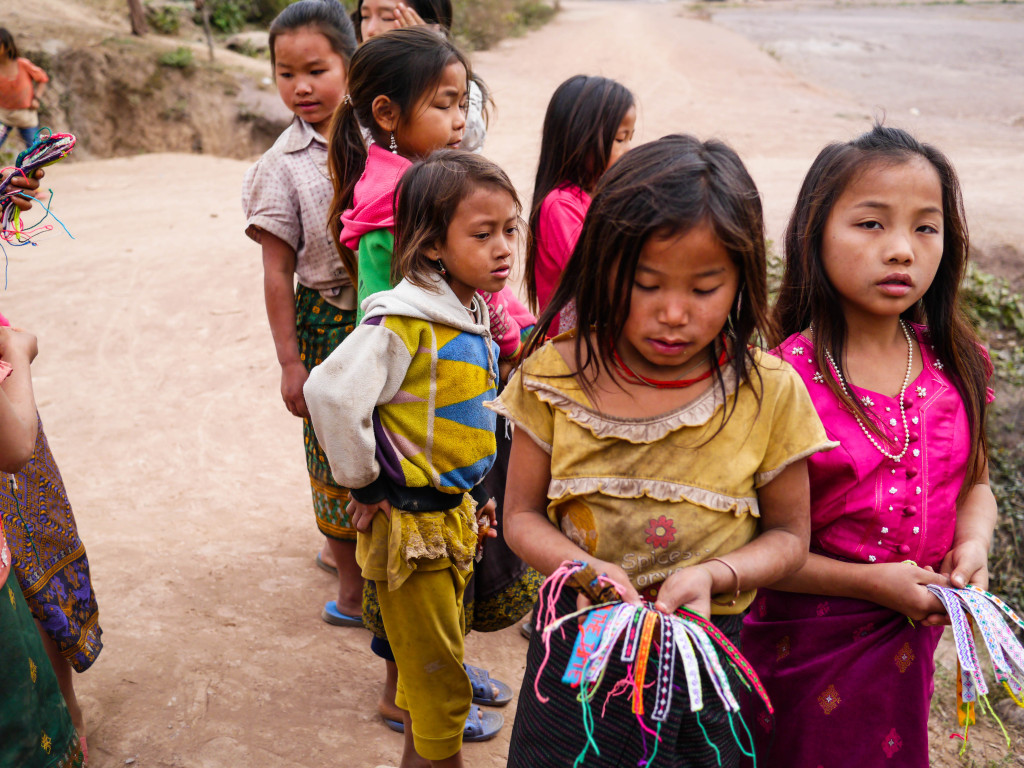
x: 508, y: 319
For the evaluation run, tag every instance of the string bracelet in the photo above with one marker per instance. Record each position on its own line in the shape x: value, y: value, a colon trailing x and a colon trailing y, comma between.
x: 735, y: 575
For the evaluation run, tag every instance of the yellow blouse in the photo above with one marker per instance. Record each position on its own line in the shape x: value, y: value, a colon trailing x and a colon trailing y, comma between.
x: 658, y: 494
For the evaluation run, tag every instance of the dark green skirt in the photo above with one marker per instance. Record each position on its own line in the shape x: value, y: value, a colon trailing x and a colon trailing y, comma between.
x: 35, y: 727
x: 321, y: 327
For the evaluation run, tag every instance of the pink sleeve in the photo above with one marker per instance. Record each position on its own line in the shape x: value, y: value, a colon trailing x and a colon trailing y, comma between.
x: 508, y: 318
x: 558, y: 229
x: 34, y: 72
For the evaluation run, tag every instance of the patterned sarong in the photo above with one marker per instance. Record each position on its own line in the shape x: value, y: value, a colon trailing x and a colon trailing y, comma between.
x: 321, y: 327
x: 851, y: 681
x: 49, y: 557
x: 35, y: 727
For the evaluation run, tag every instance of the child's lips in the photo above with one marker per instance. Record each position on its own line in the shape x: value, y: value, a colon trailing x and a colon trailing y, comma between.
x: 669, y: 346
x: 501, y: 272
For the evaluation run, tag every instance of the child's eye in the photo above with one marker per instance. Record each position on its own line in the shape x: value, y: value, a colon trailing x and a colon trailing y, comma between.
x: 284, y: 75
x: 870, y: 225
x: 928, y: 229
x: 317, y: 71
x: 642, y: 287
x: 512, y: 231
x: 481, y: 235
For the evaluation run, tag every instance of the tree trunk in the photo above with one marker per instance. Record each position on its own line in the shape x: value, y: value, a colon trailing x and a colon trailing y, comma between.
x: 138, y: 17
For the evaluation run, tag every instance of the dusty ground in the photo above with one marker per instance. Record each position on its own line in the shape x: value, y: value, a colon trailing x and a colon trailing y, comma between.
x: 158, y: 385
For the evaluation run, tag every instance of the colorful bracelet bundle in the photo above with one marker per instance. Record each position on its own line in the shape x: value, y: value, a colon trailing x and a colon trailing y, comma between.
x: 631, y: 630
x: 1004, y: 649
x: 47, y: 149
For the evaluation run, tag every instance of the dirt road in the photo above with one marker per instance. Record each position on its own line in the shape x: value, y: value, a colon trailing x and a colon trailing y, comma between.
x: 158, y: 385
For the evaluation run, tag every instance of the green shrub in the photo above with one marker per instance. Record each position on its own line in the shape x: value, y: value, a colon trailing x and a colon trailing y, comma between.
x: 482, y: 23
x: 179, y: 58
x: 165, y: 19
x: 228, y: 16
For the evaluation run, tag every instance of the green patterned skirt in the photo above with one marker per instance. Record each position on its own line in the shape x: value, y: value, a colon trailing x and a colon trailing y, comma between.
x: 35, y: 727
x: 321, y: 327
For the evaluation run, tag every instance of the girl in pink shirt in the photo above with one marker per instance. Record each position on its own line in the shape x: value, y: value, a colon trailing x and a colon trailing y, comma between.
x: 869, y: 315
x: 588, y: 126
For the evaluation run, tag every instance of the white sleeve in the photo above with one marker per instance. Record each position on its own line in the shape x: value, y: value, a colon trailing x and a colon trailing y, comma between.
x: 366, y: 370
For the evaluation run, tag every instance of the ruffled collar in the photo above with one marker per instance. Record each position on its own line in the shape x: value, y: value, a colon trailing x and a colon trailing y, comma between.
x: 548, y: 375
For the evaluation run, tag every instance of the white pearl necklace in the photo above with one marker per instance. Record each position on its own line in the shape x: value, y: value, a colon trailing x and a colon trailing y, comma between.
x: 903, y: 392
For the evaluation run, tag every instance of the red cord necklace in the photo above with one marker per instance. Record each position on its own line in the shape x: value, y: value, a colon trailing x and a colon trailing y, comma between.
x: 633, y: 377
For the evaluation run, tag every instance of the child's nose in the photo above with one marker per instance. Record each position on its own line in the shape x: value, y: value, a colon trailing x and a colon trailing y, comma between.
x: 675, y: 312
x: 900, y: 249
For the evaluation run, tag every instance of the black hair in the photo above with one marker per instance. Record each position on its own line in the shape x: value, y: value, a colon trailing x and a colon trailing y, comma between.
x: 403, y: 64
x: 7, y: 44
x: 664, y: 188
x: 326, y: 16
x: 582, y: 118
x: 428, y: 197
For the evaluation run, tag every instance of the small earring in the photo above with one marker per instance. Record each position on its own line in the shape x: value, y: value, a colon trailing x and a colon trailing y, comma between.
x: 441, y: 269
x: 394, y: 144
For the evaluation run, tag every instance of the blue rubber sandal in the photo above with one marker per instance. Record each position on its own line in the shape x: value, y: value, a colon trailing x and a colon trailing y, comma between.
x: 487, y: 690
x: 480, y: 725
x: 332, y: 615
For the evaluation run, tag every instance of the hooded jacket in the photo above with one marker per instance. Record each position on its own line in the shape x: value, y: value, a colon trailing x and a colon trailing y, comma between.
x: 398, y: 406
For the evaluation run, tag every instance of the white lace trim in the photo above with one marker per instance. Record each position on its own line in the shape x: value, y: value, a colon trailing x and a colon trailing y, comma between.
x: 660, y: 490
x: 637, y: 431
x: 763, y: 478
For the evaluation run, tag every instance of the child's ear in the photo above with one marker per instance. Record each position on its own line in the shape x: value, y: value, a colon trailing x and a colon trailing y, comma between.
x: 385, y: 113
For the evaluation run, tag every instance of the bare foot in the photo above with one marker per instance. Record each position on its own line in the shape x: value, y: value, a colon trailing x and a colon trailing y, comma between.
x: 326, y: 556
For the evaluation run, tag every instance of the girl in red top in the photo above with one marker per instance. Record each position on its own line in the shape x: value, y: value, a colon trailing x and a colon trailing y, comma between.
x: 21, y: 85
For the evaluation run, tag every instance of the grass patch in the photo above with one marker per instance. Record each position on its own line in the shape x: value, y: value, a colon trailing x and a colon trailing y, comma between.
x: 482, y: 23
x: 180, y: 58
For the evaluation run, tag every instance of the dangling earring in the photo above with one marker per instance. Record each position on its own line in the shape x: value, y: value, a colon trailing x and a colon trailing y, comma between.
x: 394, y: 144
x: 441, y: 269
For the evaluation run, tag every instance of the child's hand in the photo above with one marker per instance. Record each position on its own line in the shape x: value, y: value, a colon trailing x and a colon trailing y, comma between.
x: 689, y: 588
x: 293, y: 376
x: 487, y: 522
x: 361, y: 515
x: 964, y: 564
x: 407, y: 17
x: 18, y: 347
x: 29, y: 184
x: 617, y: 575
x: 902, y: 587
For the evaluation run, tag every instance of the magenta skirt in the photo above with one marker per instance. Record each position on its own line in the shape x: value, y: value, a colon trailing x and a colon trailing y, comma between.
x: 851, y: 682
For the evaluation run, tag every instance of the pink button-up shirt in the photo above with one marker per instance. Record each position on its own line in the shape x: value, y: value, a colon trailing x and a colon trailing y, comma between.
x: 866, y: 507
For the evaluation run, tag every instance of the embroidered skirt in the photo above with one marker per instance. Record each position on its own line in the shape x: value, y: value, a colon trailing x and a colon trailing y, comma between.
x: 49, y: 558
x: 321, y: 327
x: 35, y: 727
x: 552, y: 734
x: 851, y: 681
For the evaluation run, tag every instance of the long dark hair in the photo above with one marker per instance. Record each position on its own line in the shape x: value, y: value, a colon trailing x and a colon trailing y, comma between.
x: 807, y: 298
x: 326, y: 16
x: 661, y: 189
x: 7, y: 44
x: 582, y: 119
x: 431, y: 11
x: 403, y: 64
x: 428, y: 195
